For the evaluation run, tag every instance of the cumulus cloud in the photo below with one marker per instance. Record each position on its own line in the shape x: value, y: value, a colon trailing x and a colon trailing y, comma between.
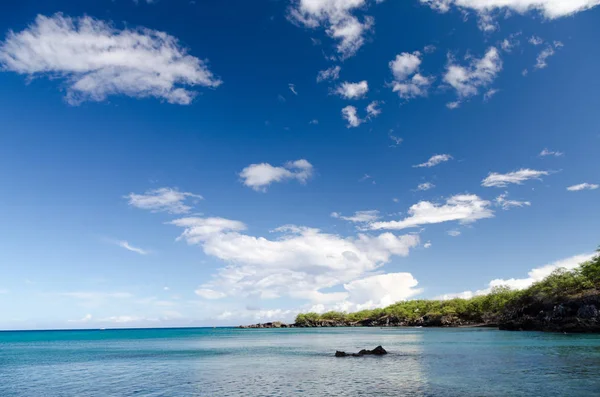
x: 464, y: 208
x: 336, y: 16
x: 408, y: 81
x: 583, y: 186
x: 359, y: 216
x: 333, y: 73
x: 352, y: 90
x: 495, y: 179
x: 453, y: 233
x: 506, y: 204
x: 381, y: 290
x: 260, y: 176
x: 350, y: 114
x: 163, y: 200
x: 96, y: 60
x: 129, y: 247
x: 551, y: 9
x: 299, y: 263
x: 434, y: 160
x: 480, y: 73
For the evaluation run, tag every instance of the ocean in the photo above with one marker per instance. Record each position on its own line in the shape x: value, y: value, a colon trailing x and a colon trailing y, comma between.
x: 298, y: 362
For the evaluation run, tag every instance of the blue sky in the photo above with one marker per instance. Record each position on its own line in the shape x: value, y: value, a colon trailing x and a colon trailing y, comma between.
x: 176, y: 163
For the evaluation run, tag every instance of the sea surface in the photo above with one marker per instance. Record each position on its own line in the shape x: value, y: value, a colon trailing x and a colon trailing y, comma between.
x: 298, y: 362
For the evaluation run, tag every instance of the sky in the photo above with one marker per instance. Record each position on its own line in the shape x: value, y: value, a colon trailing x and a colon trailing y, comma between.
x: 176, y: 163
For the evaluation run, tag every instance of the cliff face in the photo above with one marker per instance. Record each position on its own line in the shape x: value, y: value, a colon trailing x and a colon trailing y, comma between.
x: 577, y: 314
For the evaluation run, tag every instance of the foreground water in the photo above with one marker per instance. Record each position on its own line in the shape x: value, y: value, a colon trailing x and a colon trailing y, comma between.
x: 289, y: 362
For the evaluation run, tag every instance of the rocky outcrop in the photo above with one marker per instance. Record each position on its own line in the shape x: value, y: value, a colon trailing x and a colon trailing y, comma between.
x: 577, y: 314
x: 387, y: 321
x: 378, y: 351
x: 274, y: 324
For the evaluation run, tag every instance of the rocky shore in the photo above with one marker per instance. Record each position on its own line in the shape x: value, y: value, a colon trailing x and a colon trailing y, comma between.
x: 578, y: 315
x: 389, y: 321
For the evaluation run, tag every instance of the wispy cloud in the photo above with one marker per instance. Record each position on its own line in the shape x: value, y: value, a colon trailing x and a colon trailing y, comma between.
x: 583, y: 186
x: 359, y: 216
x: 333, y: 73
x: 164, y: 199
x: 96, y: 60
x: 464, y: 208
x: 546, y: 152
x: 129, y: 247
x: 495, y: 179
x: 434, y: 160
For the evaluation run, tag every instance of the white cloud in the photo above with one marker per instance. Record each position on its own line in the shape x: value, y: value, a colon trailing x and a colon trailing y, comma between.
x: 425, y: 186
x: 127, y: 246
x: 534, y: 275
x: 489, y: 94
x: 349, y: 113
x: 434, y: 160
x: 336, y: 16
x: 495, y: 179
x: 207, y: 293
x: 381, y: 290
x: 506, y: 204
x: 397, y: 140
x: 467, y: 80
x: 97, y: 60
x: 427, y: 244
x: 583, y: 186
x: 260, y: 176
x: 292, y: 88
x: 551, y: 9
x: 408, y: 82
x: 352, y: 90
x: 299, y: 263
x: 86, y: 319
x: 547, y: 152
x: 460, y: 295
x: 511, y: 42
x: 536, y: 40
x: 314, y: 122
x: 333, y: 73
x: 163, y: 200
x: 464, y: 208
x: 542, y: 58
x: 453, y: 233
x: 373, y: 110
x: 359, y: 216
x: 453, y: 105
x: 539, y: 273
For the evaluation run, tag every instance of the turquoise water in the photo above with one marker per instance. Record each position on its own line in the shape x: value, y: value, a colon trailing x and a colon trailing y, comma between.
x: 290, y: 362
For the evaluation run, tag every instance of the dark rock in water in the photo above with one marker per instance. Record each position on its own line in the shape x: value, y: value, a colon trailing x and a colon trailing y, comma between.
x: 378, y: 351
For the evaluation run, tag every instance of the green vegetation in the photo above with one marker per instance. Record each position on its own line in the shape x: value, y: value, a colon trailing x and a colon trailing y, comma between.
x: 562, y: 284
